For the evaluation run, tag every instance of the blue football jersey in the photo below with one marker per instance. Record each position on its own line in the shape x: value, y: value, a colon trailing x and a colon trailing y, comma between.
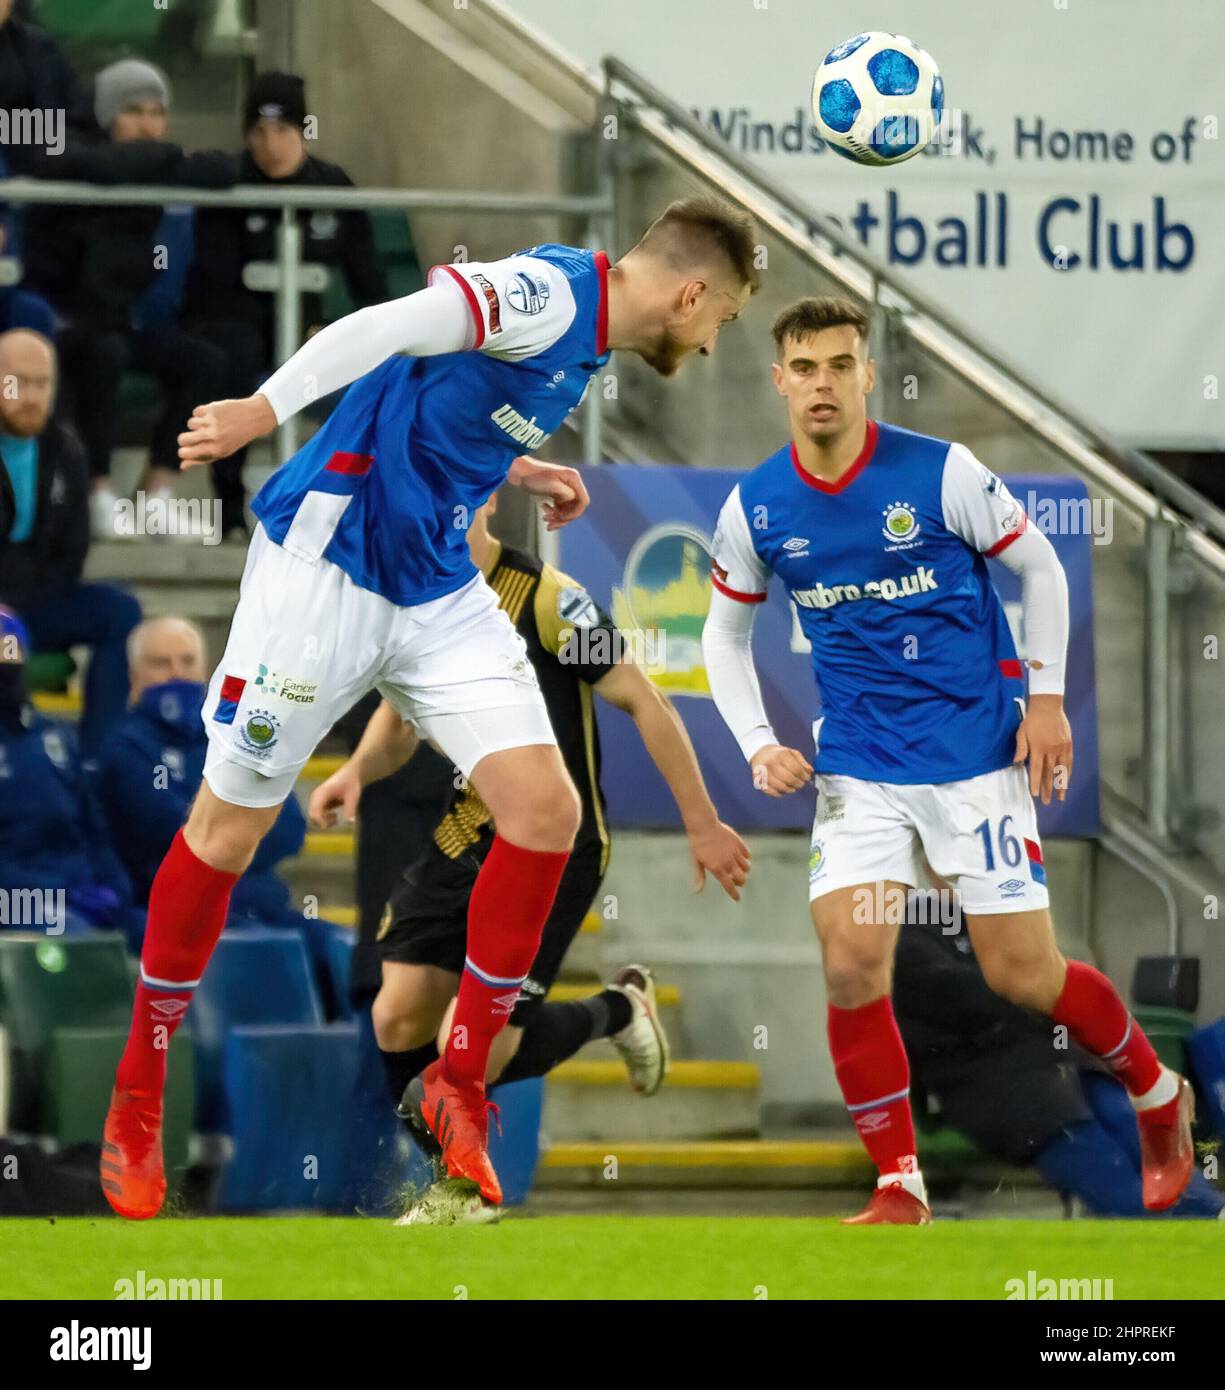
x: 913, y: 657
x: 386, y: 489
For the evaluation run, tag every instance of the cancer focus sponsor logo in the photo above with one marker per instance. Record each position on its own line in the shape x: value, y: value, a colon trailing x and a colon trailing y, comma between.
x: 922, y: 581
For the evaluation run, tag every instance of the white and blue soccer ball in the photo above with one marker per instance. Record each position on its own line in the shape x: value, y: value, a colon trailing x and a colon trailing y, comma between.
x: 877, y: 98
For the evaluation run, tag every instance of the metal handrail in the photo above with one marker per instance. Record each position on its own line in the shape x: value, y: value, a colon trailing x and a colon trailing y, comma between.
x: 1136, y: 466
x: 341, y: 199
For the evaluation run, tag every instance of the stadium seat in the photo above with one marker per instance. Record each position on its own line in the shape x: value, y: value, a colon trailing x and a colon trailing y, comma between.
x: 290, y: 1093
x: 47, y: 984
x: 1168, y: 1030
x: 50, y: 671
x: 256, y: 976
x: 80, y: 1071
x: 514, y: 1142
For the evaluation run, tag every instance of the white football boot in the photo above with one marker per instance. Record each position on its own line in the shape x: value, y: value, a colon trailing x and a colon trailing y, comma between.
x: 642, y: 1043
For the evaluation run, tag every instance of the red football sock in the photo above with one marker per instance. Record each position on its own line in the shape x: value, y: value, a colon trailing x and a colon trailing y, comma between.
x: 511, y: 899
x: 187, y: 908
x: 874, y: 1076
x: 1090, y: 1008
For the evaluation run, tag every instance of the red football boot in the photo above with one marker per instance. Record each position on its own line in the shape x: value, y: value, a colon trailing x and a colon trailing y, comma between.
x: 131, y: 1165
x: 892, y: 1206
x: 1166, y: 1148
x: 449, y: 1119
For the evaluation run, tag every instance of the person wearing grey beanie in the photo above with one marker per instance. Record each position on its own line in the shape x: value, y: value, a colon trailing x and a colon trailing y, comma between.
x: 131, y: 86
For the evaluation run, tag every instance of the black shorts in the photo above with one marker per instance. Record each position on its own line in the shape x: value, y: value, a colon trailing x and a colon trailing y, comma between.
x: 427, y: 918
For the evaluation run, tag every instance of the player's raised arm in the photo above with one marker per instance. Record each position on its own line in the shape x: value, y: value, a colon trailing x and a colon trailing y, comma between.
x: 739, y: 579
x: 432, y: 321
x: 980, y: 509
x: 465, y: 306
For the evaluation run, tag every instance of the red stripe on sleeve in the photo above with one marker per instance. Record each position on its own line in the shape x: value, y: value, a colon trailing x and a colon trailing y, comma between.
x: 1034, y: 851
x: 352, y: 465
x: 470, y: 295
x: 1005, y: 541
x: 232, y: 688
x: 1011, y: 667
x: 735, y: 593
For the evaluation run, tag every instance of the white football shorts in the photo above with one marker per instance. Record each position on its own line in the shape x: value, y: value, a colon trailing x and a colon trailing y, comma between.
x: 306, y: 643
x: 980, y: 835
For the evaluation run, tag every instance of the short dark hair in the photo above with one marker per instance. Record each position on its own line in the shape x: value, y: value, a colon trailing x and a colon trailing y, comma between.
x: 696, y: 227
x: 811, y: 315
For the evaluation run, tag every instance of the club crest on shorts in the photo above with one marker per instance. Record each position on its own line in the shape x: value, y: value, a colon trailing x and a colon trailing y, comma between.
x: 816, y: 860
x: 258, y: 735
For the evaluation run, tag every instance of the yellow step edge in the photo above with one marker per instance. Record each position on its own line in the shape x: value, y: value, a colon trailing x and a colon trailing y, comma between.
x: 332, y: 843
x: 593, y: 922
x: 57, y: 702
x: 569, y: 993
x: 741, y: 1076
x: 342, y: 916
x: 714, y: 1153
x: 321, y: 768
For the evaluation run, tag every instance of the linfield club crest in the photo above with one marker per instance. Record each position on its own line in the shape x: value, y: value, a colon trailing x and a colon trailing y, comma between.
x: 901, y: 528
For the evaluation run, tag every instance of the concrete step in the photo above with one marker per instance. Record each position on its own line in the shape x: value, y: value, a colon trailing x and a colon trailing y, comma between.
x: 590, y: 1101
x: 711, y: 1163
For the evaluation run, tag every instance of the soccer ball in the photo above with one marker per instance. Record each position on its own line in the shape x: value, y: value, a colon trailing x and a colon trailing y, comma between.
x: 877, y: 98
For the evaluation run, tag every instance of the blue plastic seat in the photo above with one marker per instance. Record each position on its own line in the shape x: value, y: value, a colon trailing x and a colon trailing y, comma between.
x: 291, y: 1094
x: 256, y: 976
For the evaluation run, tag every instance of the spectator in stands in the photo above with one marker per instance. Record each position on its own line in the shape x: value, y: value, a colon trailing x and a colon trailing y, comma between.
x: 218, y: 305
x: 94, y: 263
x: 154, y: 762
x: 34, y: 76
x: 998, y: 1077
x: 44, y: 491
x: 152, y: 768
x: 57, y: 870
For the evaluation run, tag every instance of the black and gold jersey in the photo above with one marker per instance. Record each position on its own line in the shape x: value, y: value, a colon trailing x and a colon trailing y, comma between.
x: 572, y: 643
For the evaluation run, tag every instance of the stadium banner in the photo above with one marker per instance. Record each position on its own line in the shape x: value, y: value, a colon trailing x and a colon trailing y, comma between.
x: 642, y: 550
x: 1062, y: 218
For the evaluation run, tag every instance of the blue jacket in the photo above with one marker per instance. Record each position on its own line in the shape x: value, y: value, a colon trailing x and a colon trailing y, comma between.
x: 148, y: 776
x: 52, y: 833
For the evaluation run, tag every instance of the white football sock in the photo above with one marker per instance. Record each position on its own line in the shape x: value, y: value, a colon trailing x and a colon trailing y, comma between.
x: 912, y: 1182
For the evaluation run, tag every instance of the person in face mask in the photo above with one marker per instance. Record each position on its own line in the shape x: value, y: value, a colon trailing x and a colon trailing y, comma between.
x: 152, y: 767
x: 58, y: 871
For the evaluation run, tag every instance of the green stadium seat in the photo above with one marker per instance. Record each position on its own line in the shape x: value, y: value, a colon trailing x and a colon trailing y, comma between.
x: 80, y: 1072
x: 101, y: 21
x: 48, y: 984
x: 393, y: 239
x: 1168, y: 1030
x: 50, y: 671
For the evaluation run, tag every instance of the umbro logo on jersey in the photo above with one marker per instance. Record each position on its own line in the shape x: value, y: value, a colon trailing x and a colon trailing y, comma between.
x: 922, y: 581
x: 525, y: 432
x: 796, y: 546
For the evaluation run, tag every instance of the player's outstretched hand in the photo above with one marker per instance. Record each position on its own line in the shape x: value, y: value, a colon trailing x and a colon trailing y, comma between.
x: 221, y: 428
x: 718, y: 850
x: 334, y: 802
x: 1045, y: 738
x: 778, y: 770
x: 562, y: 489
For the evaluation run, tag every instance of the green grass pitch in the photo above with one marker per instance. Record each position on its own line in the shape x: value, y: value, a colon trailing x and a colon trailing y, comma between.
x: 611, y: 1257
